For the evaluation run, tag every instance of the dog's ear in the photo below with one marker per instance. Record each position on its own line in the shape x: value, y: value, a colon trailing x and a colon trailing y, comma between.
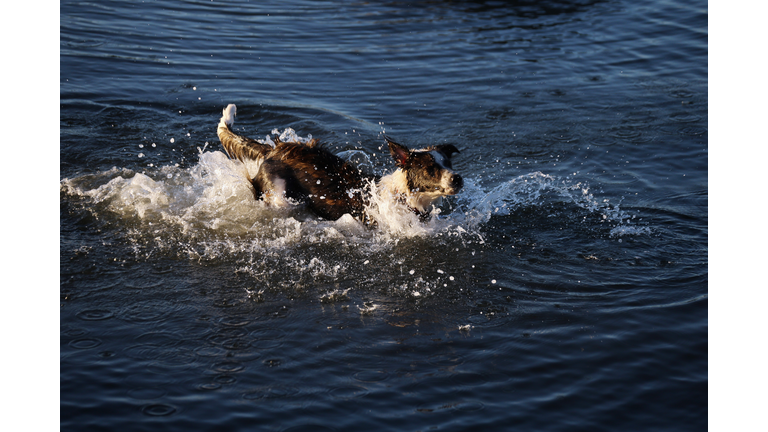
x: 399, y: 152
x: 447, y: 149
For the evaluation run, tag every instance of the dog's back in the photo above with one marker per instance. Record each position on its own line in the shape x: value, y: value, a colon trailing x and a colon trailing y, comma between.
x: 301, y: 172
x: 312, y: 175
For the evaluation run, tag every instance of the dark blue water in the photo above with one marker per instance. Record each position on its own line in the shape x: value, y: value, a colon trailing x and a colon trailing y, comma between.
x: 564, y: 289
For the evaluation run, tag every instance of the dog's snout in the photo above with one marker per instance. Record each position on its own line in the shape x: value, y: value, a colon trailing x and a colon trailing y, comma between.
x: 457, y: 182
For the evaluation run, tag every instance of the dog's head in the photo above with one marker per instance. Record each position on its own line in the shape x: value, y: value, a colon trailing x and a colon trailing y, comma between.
x: 427, y: 174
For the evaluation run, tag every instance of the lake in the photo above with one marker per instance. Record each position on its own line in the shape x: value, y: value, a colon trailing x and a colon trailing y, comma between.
x: 565, y: 288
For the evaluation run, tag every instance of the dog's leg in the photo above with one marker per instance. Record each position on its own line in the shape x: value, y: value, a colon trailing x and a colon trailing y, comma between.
x: 237, y: 146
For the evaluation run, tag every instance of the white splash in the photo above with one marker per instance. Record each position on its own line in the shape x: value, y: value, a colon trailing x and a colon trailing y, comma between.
x: 623, y: 230
x: 208, y: 210
x: 290, y: 135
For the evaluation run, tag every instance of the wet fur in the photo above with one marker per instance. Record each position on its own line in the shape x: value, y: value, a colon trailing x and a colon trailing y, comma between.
x: 331, y: 187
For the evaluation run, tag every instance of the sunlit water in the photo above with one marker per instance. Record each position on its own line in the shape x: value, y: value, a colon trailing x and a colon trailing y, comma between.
x: 565, y: 287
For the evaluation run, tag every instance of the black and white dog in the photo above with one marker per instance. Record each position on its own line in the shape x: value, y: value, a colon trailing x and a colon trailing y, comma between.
x: 331, y: 187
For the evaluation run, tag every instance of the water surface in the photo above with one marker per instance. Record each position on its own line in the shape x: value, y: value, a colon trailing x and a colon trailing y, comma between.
x: 565, y: 288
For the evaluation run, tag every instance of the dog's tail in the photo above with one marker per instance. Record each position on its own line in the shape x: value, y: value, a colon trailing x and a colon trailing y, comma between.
x: 236, y: 146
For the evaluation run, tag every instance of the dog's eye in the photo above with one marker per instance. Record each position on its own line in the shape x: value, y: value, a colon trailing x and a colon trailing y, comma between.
x: 444, y: 162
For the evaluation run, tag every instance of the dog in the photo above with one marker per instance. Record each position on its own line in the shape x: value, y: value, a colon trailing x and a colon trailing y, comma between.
x: 307, y: 173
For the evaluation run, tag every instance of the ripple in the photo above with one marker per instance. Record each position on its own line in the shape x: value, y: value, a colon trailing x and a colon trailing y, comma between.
x: 159, y: 338
x: 228, y: 367
x: 681, y: 94
x: 685, y: 117
x: 145, y: 352
x: 95, y: 314
x: 85, y: 343
x: 158, y: 410
x: 565, y: 136
x: 348, y: 392
x: 144, y: 312
x: 234, y: 321
x: 230, y: 338
x: 268, y: 337
x: 73, y: 331
x: 370, y: 376
x: 167, y: 355
x: 225, y: 379
x: 210, y: 351
x: 626, y: 133
x: 209, y: 386
x: 236, y: 344
x: 603, y: 141
x: 630, y: 135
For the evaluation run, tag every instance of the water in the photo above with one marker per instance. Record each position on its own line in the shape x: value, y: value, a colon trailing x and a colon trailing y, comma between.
x: 565, y: 288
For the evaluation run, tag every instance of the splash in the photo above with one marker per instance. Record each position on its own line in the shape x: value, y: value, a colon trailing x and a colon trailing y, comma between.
x: 536, y: 189
x: 207, y: 211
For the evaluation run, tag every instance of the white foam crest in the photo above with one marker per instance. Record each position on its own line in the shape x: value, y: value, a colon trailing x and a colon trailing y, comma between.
x: 393, y: 219
x: 477, y: 206
x: 623, y: 230
x: 523, y: 190
x: 290, y: 135
x: 214, y: 194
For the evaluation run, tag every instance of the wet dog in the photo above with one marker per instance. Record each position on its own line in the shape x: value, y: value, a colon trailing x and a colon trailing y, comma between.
x: 305, y: 172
